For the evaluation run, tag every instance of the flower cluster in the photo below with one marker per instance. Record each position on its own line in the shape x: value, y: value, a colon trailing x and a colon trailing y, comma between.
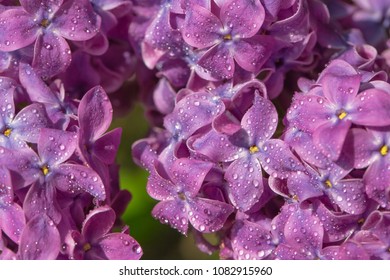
x: 271, y: 124
x: 59, y: 186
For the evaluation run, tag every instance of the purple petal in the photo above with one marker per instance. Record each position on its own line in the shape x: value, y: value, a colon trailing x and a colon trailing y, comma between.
x: 56, y: 146
x: 372, y: 108
x: 208, y: 215
x: 106, y: 147
x: 365, y: 146
x: 215, y: 146
x: 277, y: 159
x: 309, y: 111
x: 244, y: 17
x: 330, y: 138
x: 18, y: 29
x: 75, y: 178
x: 260, y: 121
x: 245, y: 181
x: 219, y: 62
x: 303, y: 185
x: 34, y: 7
x: 376, y: 179
x: 36, y: 88
x: 189, y: 183
x: 341, y: 90
x: 7, y: 88
x: 337, y: 67
x: 252, y: 53
x: 52, y: 54
x: 349, y: 250
x: 120, y: 246
x: 287, y: 252
x: 201, y: 29
x: 304, y: 229
x: 349, y: 195
x: 40, y: 240
x: 30, y: 121
x: 95, y: 114
x: 191, y: 113
x: 251, y: 241
x: 98, y: 223
x: 337, y: 226
x: 40, y: 200
x: 76, y: 20
x: 172, y: 212
x: 164, y: 97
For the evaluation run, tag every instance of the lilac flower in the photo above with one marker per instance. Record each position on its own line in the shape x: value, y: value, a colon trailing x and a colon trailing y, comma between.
x: 329, y: 110
x: 180, y: 202
x: 15, y: 131
x: 48, y: 24
x: 229, y: 38
x: 96, y: 242
x: 249, y: 149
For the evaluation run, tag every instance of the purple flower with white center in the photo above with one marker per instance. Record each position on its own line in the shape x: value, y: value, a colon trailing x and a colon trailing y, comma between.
x: 12, y: 220
x: 371, y: 148
x: 249, y: 149
x: 47, y: 24
x: 230, y: 38
x: 180, y: 200
x: 328, y: 111
x: 15, y: 131
x: 95, y: 242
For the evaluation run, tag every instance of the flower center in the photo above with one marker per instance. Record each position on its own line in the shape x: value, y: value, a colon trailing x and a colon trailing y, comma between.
x: 87, y: 247
x: 341, y: 114
x: 328, y: 184
x: 384, y: 150
x: 45, y: 170
x: 361, y: 221
x: 182, y: 196
x: 253, y: 149
x: 7, y: 132
x: 44, y: 23
x: 227, y: 37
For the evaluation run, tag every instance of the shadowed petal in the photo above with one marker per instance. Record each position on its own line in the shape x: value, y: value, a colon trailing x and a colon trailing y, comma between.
x: 40, y: 240
x: 106, y: 147
x: 98, y: 223
x: 95, y: 114
x: 219, y: 62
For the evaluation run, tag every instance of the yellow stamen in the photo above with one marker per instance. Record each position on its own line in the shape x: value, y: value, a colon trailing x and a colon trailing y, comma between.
x: 295, y: 197
x: 342, y: 115
x: 253, y: 149
x: 45, y: 170
x: 7, y: 132
x: 328, y: 184
x: 361, y: 221
x: 227, y: 37
x: 384, y: 150
x: 182, y: 196
x: 44, y: 23
x: 87, y: 247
